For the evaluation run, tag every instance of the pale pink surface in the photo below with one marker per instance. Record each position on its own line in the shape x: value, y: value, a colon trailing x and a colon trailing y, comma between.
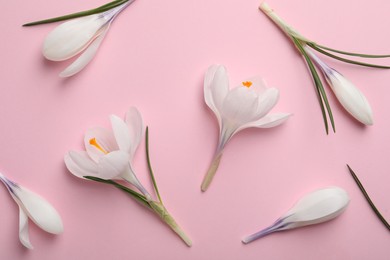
x: 154, y: 57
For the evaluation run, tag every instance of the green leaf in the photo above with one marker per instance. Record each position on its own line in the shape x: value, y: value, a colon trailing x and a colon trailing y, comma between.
x: 372, y: 205
x: 141, y: 198
x: 97, y: 10
x: 347, y: 60
x: 150, y: 165
x: 351, y: 53
x: 323, y: 99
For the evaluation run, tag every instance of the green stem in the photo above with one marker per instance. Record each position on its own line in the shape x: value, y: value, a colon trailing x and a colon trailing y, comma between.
x: 164, y: 215
x: 211, y: 172
x: 150, y: 165
x: 372, y: 205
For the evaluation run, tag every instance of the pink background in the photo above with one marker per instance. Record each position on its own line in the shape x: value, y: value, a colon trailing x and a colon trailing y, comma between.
x: 154, y: 58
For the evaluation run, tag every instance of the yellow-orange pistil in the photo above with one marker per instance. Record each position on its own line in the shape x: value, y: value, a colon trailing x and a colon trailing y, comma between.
x: 93, y: 142
x: 247, y: 84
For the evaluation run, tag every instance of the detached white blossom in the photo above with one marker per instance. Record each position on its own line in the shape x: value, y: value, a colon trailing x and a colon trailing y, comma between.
x: 350, y: 97
x: 108, y: 153
x: 243, y: 107
x: 314, y: 208
x: 84, y: 34
x: 32, y: 206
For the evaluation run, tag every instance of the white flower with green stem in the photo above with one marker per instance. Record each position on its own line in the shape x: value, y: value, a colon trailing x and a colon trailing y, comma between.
x: 108, y: 159
x: 82, y: 35
x: 350, y: 97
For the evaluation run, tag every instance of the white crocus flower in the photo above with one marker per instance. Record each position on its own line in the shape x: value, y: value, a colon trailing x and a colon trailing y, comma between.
x: 34, y: 207
x: 243, y: 107
x: 83, y: 34
x: 108, y: 153
x: 350, y: 97
x: 314, y: 208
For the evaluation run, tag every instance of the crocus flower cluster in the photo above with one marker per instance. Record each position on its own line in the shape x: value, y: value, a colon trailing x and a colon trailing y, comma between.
x: 33, y: 207
x: 350, y: 97
x: 108, y: 157
x: 316, y: 207
x: 243, y: 107
x: 81, y: 35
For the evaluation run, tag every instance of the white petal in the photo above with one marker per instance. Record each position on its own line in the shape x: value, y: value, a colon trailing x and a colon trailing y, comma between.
x: 240, y: 106
x: 267, y: 121
x: 105, y: 139
x: 220, y: 86
x: 135, y: 126
x: 85, y: 57
x: 350, y: 97
x: 70, y: 38
x: 209, y: 84
x: 113, y: 165
x: 39, y: 210
x: 80, y: 164
x: 121, y: 133
x: 267, y: 101
x: 23, y: 229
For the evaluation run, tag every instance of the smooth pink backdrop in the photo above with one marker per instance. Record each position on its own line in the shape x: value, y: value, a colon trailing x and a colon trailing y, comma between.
x: 154, y: 57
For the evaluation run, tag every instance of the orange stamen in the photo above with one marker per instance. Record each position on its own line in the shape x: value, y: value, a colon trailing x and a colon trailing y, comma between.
x: 93, y: 142
x: 247, y: 84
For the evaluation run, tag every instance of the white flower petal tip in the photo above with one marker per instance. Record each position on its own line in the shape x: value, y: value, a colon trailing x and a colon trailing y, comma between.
x: 242, y: 107
x: 314, y: 208
x: 83, y: 34
x: 34, y: 207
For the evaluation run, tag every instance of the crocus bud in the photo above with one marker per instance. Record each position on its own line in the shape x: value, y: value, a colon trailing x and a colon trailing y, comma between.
x: 349, y: 96
x: 314, y: 208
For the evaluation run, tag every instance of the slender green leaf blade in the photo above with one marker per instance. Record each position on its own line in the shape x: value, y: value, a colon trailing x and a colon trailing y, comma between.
x: 372, y: 205
x: 363, y: 55
x: 141, y: 198
x: 347, y: 60
x: 97, y: 10
x: 150, y: 165
x: 319, y: 87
